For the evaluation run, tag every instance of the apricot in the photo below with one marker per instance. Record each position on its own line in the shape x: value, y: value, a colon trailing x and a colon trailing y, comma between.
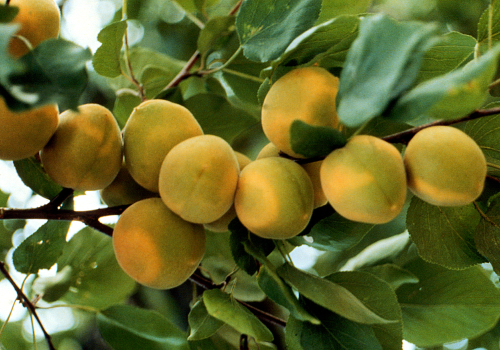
x: 23, y: 134
x: 85, y: 153
x: 155, y: 247
x: 124, y: 190
x: 306, y: 94
x: 221, y: 224
x: 274, y: 198
x: 153, y: 128
x: 365, y: 180
x: 445, y: 166
x: 198, y: 178
x: 39, y: 20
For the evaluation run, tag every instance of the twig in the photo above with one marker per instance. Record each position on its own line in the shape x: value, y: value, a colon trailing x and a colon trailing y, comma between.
x: 27, y: 303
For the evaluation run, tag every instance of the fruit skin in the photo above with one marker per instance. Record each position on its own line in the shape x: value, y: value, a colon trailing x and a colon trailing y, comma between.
x: 445, y: 166
x: 365, y: 180
x: 124, y: 190
x: 156, y: 247
x: 153, y: 128
x: 85, y: 153
x: 198, y: 178
x: 221, y: 224
x: 307, y: 94
x: 274, y: 198
x: 39, y: 20
x: 23, y: 134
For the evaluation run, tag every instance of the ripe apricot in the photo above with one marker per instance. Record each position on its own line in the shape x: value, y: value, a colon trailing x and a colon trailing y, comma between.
x: 274, y: 198
x: 156, y: 247
x: 85, y: 153
x: 23, y: 134
x: 153, y: 128
x: 221, y: 224
x: 365, y: 180
x: 124, y: 190
x: 39, y: 20
x: 445, y: 166
x: 307, y: 94
x: 198, y: 178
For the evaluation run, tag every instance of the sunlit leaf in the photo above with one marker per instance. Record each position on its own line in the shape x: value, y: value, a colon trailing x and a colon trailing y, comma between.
x: 106, y: 60
x: 334, y: 8
x: 201, y: 324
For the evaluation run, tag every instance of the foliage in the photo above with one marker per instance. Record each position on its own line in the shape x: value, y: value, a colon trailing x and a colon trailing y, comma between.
x: 428, y: 277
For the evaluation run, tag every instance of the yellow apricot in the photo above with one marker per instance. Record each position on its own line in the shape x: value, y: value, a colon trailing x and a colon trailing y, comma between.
x: 153, y: 128
x: 39, y: 20
x: 312, y: 169
x: 23, y: 134
x: 85, y: 153
x: 156, y: 247
x: 365, y: 180
x: 307, y: 94
x: 445, y: 166
x: 198, y: 178
x: 221, y: 224
x: 274, y: 198
x: 124, y: 190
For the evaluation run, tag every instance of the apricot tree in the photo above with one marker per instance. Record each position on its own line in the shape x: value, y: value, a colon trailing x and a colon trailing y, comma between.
x: 230, y: 139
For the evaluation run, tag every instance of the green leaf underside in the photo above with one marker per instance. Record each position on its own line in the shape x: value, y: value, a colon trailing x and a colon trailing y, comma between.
x: 42, y: 249
x: 487, y: 236
x: 367, y: 82
x: 448, y: 96
x: 202, y: 325
x: 223, y: 307
x: 393, y: 274
x: 314, y: 141
x: 128, y: 327
x: 32, y: 174
x: 444, y: 235
x: 447, y: 305
x: 329, y: 295
x: 106, y: 60
x: 266, y: 27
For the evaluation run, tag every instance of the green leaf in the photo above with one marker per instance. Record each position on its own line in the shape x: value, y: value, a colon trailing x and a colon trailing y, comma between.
x: 52, y: 288
x: 444, y: 235
x: 448, y: 96
x: 42, y: 249
x: 487, y: 236
x: 125, y: 102
x: 8, y: 12
x: 329, y: 295
x: 50, y: 78
x: 383, y: 61
x: 31, y: 172
x: 201, y: 324
x: 447, y: 305
x: 267, y: 27
x: 223, y: 307
x: 101, y: 282
x: 106, y: 60
x: 393, y: 274
x: 218, y: 117
x: 127, y: 327
x: 379, y: 297
x: 278, y: 291
x: 483, y: 27
x: 216, y: 33
x: 451, y: 51
x: 326, y: 44
x: 315, y: 141
x: 334, y: 8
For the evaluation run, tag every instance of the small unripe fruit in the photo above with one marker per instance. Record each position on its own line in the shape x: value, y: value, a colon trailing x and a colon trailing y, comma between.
x: 156, y: 247
x: 274, y: 198
x: 198, y: 178
x: 306, y: 94
x: 85, y: 153
x: 365, y: 180
x: 445, y: 166
x: 153, y: 128
x: 39, y: 20
x: 221, y: 224
x: 23, y: 134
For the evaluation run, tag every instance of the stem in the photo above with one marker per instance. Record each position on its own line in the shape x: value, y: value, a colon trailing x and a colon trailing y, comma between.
x: 27, y: 303
x: 184, y: 73
x: 225, y: 65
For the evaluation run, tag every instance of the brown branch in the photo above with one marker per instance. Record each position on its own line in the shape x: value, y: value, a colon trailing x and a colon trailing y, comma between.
x: 27, y: 303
